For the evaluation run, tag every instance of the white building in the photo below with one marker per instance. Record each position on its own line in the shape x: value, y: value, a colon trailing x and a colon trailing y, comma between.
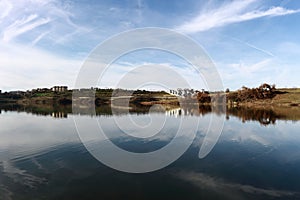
x: 59, y: 88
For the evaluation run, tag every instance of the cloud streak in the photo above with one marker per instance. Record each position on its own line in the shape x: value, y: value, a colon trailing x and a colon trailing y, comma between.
x: 21, y: 26
x: 40, y: 17
x: 226, y: 14
x: 254, y: 47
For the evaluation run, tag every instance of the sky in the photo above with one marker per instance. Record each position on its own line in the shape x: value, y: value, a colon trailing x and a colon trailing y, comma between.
x: 45, y: 42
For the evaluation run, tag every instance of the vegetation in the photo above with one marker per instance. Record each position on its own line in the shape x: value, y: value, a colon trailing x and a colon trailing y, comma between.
x: 265, y: 91
x: 263, y: 95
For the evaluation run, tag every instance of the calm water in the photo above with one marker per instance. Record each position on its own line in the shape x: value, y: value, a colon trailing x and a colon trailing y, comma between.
x: 256, y: 157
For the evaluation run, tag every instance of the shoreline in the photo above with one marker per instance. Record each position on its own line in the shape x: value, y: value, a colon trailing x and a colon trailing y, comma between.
x: 283, y: 97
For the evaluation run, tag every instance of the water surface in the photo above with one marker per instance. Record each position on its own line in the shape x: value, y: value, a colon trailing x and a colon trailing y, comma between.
x: 256, y: 157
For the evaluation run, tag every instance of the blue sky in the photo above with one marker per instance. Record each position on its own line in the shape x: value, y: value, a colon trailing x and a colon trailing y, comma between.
x: 44, y: 42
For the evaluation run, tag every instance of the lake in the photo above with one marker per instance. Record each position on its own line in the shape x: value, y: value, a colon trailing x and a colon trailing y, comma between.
x: 257, y: 155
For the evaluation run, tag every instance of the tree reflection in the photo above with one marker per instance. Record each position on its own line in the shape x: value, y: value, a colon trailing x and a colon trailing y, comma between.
x: 265, y: 116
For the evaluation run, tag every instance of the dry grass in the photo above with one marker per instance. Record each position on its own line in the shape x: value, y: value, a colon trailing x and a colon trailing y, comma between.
x: 289, y: 96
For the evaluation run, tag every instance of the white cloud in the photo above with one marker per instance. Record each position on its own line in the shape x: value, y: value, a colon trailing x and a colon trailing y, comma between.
x: 250, y: 74
x: 229, y: 13
x: 27, y: 67
x: 24, y: 67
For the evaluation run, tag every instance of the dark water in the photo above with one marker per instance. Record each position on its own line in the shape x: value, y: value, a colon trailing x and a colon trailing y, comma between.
x: 256, y: 157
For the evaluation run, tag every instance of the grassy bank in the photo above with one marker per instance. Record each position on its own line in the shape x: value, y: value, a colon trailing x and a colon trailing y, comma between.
x: 285, y: 97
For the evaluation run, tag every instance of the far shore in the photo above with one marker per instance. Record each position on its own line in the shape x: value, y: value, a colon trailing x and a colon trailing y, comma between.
x: 264, y: 96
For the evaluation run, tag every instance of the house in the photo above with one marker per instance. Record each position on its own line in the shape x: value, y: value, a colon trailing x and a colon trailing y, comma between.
x: 59, y: 88
x: 40, y: 90
x: 59, y: 115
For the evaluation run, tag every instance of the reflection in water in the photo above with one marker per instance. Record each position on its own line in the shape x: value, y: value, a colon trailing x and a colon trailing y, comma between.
x: 265, y: 116
x: 42, y: 158
x: 59, y: 115
x: 176, y: 112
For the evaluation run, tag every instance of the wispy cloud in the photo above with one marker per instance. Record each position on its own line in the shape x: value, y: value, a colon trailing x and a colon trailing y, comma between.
x: 253, y: 68
x: 38, y: 38
x: 21, y: 26
x: 21, y: 176
x: 228, y: 189
x: 5, y: 7
x: 229, y: 13
x: 38, y: 20
x: 254, y: 47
